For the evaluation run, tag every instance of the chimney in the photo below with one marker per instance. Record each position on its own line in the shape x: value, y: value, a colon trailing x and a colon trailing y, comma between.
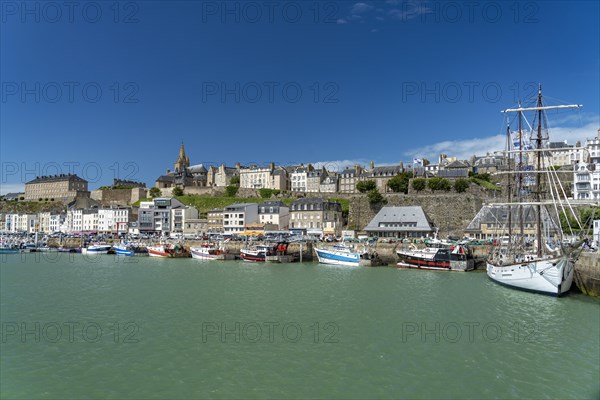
x: 356, y: 169
x: 238, y: 166
x: 272, y: 166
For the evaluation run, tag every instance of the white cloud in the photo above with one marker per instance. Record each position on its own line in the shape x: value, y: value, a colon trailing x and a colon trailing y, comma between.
x: 11, y: 188
x: 465, y: 149
x: 359, y: 8
x: 341, y: 21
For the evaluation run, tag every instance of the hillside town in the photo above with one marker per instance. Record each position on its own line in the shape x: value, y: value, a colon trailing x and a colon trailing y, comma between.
x: 301, y: 197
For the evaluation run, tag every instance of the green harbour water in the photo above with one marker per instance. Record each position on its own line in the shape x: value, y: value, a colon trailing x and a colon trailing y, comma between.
x: 143, y: 328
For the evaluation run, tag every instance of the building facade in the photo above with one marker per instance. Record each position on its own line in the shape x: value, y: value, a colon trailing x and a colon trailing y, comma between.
x: 274, y: 214
x: 237, y: 216
x: 214, y: 221
x: 63, y: 187
x: 317, y: 216
x: 400, y: 222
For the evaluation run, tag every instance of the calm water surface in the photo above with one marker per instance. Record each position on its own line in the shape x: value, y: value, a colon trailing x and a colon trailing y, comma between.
x: 154, y: 328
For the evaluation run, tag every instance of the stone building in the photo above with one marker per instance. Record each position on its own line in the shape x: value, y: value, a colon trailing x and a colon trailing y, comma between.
x: 400, y: 222
x: 348, y: 179
x: 269, y: 177
x: 63, y: 187
x: 221, y: 176
x: 317, y: 216
x: 183, y: 175
x: 214, y: 221
x: 381, y: 175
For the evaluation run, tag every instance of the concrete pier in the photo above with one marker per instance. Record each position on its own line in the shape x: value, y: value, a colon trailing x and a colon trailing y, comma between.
x: 587, y: 274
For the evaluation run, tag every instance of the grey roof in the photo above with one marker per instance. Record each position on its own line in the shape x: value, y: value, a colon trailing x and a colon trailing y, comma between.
x: 400, y: 215
x: 499, y: 215
x: 166, y: 178
x: 12, y: 196
x: 390, y: 170
x: 272, y: 203
x: 457, y: 164
x: 57, y: 178
x: 238, y: 206
x: 197, y: 169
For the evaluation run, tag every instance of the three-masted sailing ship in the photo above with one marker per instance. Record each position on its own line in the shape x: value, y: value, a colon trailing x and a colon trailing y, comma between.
x: 533, y: 256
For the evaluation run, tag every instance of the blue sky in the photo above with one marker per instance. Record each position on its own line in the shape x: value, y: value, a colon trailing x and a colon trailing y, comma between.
x: 107, y: 89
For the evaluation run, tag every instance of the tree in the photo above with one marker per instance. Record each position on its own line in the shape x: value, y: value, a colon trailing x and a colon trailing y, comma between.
x: 267, y: 193
x: 155, y: 192
x: 461, y: 185
x: 437, y: 183
x: 177, y: 191
x: 375, y: 197
x: 231, y: 191
x: 366, y: 186
x: 419, y: 184
x: 399, y: 183
x: 235, y: 181
x: 426, y: 162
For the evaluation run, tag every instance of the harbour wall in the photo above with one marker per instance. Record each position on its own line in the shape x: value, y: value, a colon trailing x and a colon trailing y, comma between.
x: 587, y: 274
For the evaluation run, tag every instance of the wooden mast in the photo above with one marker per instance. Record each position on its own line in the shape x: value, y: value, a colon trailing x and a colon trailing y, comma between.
x: 538, y: 177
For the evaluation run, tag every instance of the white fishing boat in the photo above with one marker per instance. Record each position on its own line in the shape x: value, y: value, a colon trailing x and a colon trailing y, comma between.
x: 96, y: 249
x: 340, y: 255
x: 207, y: 252
x: 544, y: 264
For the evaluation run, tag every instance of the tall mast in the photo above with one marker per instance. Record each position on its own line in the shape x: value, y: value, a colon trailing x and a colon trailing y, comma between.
x: 509, y: 186
x: 538, y: 176
x: 520, y: 175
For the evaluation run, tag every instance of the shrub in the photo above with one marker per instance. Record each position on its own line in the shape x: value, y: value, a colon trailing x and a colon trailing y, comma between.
x: 437, y: 183
x: 375, y: 197
x: 419, y: 184
x: 178, y: 191
x: 231, y: 191
x: 461, y: 185
x: 366, y: 186
x: 399, y: 183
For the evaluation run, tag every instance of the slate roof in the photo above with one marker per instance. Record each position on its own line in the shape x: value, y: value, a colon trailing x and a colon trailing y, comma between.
x: 400, y: 215
x: 57, y: 178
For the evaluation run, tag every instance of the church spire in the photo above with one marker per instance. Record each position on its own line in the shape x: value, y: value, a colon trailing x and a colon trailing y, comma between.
x: 182, y: 161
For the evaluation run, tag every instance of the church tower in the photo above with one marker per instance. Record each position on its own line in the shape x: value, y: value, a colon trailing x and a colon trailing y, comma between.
x: 183, y: 161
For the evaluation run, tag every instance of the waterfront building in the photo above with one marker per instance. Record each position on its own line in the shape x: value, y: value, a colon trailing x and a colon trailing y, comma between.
x: 89, y: 220
x: 63, y: 187
x: 317, y: 216
x: 194, y: 227
x: 180, y: 216
x: 400, y: 222
x: 215, y: 221
x: 596, y: 236
x: 111, y: 220
x: 11, y: 222
x: 155, y: 216
x: 237, y: 216
x: 274, y: 215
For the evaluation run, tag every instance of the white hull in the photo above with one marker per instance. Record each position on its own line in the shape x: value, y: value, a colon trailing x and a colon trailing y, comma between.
x: 551, y: 276
x: 209, y: 253
x: 333, y: 257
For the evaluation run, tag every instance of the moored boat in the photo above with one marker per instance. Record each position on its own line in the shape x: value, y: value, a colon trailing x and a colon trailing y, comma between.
x: 438, y: 257
x: 340, y: 255
x: 546, y: 266
x: 207, y: 252
x: 129, y: 250
x: 258, y: 253
x: 168, y: 251
x: 97, y: 249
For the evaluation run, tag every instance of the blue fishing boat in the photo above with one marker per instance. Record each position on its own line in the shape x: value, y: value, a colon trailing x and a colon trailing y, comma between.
x: 340, y: 255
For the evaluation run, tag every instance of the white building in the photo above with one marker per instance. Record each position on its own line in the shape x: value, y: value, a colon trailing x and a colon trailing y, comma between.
x: 112, y: 219
x: 596, y: 237
x: 26, y: 223
x: 89, y: 220
x: 274, y: 214
x: 299, y: 178
x: 586, y: 180
x: 11, y: 222
x: 181, y: 216
x: 155, y: 216
x: 237, y: 216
